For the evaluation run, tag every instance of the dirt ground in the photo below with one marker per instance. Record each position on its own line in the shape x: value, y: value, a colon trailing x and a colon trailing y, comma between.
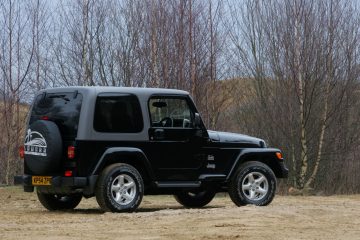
x: 161, y: 217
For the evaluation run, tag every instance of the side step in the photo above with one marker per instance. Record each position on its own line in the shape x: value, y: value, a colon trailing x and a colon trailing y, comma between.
x: 212, y: 177
x: 178, y: 184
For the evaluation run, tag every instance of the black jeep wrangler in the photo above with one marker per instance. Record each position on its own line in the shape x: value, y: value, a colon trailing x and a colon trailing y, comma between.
x: 118, y: 144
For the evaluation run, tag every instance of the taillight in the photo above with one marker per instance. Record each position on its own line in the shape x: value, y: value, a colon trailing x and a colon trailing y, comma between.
x: 71, y: 152
x: 22, y: 152
x: 68, y: 173
x: 44, y: 118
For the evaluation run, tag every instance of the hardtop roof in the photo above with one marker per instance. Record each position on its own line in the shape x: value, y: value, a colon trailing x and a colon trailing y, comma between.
x: 104, y: 89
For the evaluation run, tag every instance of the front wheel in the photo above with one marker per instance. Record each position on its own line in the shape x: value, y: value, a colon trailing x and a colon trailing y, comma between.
x: 194, y: 199
x: 119, y: 188
x: 254, y: 183
x: 55, y: 202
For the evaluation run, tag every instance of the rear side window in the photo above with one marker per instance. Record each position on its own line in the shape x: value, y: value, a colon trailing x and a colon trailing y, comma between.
x: 118, y: 114
x: 61, y: 108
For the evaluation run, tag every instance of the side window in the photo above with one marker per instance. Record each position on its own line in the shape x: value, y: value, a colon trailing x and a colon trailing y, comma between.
x: 118, y: 114
x: 170, y: 112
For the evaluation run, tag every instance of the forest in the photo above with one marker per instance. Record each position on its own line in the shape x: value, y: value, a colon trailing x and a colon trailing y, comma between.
x: 286, y: 71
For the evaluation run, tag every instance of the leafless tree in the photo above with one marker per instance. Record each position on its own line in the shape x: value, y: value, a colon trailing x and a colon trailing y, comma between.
x: 287, y: 71
x: 17, y: 53
x: 297, y: 52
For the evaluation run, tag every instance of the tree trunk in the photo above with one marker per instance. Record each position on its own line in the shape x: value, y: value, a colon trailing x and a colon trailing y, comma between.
x: 301, y: 86
x: 311, y: 179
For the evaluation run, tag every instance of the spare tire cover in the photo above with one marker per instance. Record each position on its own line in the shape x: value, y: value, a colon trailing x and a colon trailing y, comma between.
x: 43, y: 147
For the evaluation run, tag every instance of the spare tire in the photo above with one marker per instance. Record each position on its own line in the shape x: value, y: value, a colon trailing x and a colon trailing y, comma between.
x: 43, y: 147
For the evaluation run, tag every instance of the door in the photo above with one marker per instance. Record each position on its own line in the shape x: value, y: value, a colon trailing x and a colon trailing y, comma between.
x: 174, y: 145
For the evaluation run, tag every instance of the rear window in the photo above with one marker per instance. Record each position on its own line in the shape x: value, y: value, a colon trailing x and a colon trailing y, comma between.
x: 61, y: 108
x: 118, y: 114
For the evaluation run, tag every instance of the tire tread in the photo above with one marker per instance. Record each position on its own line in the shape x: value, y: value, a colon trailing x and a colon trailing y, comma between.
x: 235, y: 192
x: 194, y: 202
x: 101, y: 188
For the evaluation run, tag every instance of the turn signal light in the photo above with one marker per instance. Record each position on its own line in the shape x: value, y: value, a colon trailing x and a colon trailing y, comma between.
x: 68, y: 173
x: 279, y: 155
x: 71, y: 152
x: 22, y: 152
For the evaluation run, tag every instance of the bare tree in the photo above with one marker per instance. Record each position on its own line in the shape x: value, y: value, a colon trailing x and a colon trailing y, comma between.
x: 297, y: 54
x: 287, y: 71
x: 17, y: 51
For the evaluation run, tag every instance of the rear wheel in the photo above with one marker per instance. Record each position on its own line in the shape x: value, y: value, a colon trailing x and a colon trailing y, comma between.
x: 54, y: 202
x: 119, y: 188
x: 254, y: 183
x: 194, y: 199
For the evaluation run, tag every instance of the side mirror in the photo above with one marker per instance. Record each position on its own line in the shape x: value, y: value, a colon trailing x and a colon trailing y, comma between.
x: 197, y: 121
x: 199, y: 132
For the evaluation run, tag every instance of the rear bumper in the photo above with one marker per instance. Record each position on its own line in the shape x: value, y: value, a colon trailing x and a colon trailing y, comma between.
x: 56, y: 181
x: 59, y: 182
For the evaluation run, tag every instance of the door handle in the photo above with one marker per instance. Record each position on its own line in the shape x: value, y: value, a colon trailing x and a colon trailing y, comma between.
x: 159, y: 134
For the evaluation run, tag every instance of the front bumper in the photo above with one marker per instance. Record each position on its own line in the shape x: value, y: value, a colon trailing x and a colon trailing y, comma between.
x: 59, y: 182
x: 284, y: 170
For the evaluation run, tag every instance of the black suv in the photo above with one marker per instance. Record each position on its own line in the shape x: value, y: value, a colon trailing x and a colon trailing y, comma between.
x: 120, y: 143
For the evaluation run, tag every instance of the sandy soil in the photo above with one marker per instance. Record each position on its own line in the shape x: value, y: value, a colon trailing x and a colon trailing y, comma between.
x: 161, y: 217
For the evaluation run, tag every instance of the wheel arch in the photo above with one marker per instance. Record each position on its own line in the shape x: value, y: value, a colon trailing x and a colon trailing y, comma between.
x: 266, y: 156
x: 132, y: 156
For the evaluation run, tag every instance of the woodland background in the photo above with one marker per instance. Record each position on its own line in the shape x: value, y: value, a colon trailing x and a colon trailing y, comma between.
x: 283, y: 70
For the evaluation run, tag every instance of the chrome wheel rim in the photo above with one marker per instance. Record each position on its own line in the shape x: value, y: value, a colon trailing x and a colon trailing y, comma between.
x: 123, y: 189
x: 255, y: 186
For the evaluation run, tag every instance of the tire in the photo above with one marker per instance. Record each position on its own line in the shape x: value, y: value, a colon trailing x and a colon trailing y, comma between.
x: 53, y: 202
x: 120, y: 188
x: 194, y: 199
x: 254, y: 183
x: 43, y: 147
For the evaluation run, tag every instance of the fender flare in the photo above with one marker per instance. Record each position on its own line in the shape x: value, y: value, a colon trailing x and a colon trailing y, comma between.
x: 259, y: 154
x: 123, y: 151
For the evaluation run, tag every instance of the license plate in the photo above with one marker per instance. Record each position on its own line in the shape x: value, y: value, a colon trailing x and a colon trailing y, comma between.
x: 41, y: 180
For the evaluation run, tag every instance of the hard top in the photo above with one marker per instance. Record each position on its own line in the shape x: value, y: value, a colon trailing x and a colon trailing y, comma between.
x: 104, y: 89
x: 90, y: 93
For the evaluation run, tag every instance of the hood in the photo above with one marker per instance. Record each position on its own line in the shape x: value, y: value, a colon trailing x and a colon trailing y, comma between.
x: 226, y: 137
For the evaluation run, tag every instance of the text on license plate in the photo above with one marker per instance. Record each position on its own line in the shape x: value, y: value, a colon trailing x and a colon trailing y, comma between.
x: 41, y: 180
